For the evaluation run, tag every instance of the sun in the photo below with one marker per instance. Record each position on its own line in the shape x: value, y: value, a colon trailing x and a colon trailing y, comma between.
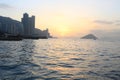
x: 64, y: 31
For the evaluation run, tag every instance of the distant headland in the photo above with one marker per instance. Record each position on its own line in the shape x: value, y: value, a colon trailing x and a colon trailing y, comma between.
x: 89, y: 36
x: 15, y: 30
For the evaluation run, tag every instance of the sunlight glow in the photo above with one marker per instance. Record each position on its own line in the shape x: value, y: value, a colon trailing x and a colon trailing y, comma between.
x: 64, y: 31
x: 66, y: 18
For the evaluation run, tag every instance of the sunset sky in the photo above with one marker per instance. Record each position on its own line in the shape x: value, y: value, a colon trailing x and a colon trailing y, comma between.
x: 68, y: 18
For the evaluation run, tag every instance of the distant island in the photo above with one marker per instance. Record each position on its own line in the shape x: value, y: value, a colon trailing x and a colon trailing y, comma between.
x: 89, y: 36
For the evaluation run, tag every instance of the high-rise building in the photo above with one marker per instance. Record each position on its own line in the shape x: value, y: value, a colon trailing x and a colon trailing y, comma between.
x: 25, y: 23
x: 29, y: 25
x: 10, y: 26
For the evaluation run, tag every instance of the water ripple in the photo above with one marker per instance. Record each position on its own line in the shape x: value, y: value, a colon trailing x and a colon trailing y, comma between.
x: 59, y: 59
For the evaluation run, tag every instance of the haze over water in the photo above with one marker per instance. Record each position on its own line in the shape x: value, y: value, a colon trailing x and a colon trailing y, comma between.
x: 64, y: 59
x: 60, y: 59
x: 69, y: 18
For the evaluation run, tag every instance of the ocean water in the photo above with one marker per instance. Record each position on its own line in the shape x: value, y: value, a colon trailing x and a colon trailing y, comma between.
x: 60, y: 59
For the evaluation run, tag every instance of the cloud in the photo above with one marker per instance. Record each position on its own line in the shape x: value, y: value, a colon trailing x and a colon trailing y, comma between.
x: 117, y: 21
x: 4, y: 6
x: 118, y: 24
x: 107, y: 34
x: 103, y: 22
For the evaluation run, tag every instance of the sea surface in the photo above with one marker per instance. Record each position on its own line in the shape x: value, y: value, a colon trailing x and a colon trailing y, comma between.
x: 60, y: 59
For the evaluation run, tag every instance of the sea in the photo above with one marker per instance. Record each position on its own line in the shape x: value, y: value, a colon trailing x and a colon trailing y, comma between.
x: 60, y: 59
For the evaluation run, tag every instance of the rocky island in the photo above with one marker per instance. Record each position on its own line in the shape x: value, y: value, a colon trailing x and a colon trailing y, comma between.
x: 89, y: 36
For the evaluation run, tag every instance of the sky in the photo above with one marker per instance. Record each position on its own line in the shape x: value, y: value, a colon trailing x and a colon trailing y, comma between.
x: 68, y: 18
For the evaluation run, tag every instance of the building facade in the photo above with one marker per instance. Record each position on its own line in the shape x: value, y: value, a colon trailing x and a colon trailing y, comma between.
x: 10, y: 26
x: 25, y: 28
x: 28, y: 24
